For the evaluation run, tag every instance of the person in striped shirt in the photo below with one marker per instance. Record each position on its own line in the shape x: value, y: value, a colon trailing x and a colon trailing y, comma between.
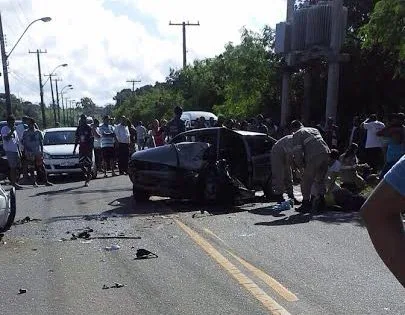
x: 108, y: 139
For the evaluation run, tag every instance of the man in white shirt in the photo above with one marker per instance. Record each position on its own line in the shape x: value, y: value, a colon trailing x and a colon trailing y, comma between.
x: 10, y: 146
x: 20, y: 128
x: 374, y: 144
x: 123, y: 138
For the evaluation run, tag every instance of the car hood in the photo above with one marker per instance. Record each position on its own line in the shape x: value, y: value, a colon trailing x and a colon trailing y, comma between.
x: 59, y: 149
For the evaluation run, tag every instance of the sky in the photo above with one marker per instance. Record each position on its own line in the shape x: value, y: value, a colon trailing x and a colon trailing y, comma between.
x: 107, y: 42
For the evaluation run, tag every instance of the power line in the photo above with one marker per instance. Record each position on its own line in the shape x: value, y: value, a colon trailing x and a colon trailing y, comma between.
x: 184, y: 24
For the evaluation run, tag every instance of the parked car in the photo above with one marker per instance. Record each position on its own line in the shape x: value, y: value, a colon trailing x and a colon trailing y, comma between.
x: 7, y: 208
x: 58, y: 152
x: 190, y: 118
x: 191, y: 164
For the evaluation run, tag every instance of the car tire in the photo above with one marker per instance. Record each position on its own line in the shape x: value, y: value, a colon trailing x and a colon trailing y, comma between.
x: 13, y: 210
x: 140, y: 195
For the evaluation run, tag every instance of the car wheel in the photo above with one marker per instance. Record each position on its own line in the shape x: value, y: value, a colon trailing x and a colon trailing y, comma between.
x: 11, y: 215
x: 140, y: 195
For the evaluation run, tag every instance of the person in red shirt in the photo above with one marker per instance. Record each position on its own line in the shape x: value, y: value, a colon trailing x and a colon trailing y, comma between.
x: 158, y: 133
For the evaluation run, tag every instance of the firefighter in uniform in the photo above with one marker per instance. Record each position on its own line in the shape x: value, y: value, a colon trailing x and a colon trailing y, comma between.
x: 281, y: 163
x: 311, y: 153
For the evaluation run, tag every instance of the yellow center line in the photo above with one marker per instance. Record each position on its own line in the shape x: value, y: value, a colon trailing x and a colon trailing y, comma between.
x: 270, y: 281
x: 246, y: 282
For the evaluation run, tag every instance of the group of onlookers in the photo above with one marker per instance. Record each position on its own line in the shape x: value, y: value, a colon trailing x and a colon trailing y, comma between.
x: 23, y: 146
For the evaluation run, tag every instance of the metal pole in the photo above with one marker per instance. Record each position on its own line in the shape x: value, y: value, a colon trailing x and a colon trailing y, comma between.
x: 63, y: 110
x: 306, y: 109
x: 5, y: 70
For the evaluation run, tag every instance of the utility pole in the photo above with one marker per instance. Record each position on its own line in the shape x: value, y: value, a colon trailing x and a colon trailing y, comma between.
x: 53, y: 97
x: 5, y: 70
x: 63, y: 110
x: 57, y: 97
x: 183, y: 25
x: 133, y: 84
x: 67, y: 110
x: 285, y: 92
x: 41, y: 87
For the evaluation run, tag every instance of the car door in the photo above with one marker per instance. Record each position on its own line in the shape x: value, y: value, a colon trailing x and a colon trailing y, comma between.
x: 259, y: 147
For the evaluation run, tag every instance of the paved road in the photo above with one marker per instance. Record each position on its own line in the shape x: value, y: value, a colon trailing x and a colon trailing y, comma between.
x: 223, y: 261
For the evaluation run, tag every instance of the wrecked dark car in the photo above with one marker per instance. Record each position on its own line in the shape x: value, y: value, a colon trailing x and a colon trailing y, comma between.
x: 209, y: 165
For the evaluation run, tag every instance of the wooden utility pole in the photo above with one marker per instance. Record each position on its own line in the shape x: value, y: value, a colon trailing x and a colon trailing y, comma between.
x: 133, y: 84
x: 183, y: 25
x: 41, y: 87
x: 5, y: 70
x: 55, y: 118
x: 57, y: 97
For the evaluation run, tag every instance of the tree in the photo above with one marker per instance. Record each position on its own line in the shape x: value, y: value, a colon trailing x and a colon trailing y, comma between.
x: 89, y: 108
x: 386, y: 29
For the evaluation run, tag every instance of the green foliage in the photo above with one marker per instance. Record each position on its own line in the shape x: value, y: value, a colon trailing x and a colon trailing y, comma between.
x: 386, y: 29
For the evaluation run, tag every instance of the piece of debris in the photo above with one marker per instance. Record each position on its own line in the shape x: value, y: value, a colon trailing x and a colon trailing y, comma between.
x: 118, y: 285
x: 85, y: 242
x: 112, y: 247
x: 22, y: 291
x: 26, y: 220
x: 145, y: 254
x: 34, y: 249
x: 105, y: 287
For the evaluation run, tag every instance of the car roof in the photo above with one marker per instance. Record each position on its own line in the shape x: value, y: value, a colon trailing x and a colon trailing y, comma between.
x: 60, y: 129
x: 197, y: 114
x: 240, y: 132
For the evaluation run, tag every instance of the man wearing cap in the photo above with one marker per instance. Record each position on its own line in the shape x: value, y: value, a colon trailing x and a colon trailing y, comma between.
x: 123, y: 139
x: 85, y: 140
x: 311, y: 153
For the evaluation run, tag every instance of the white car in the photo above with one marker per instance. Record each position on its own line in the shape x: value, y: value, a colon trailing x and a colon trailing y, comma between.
x: 58, y: 152
x: 190, y: 118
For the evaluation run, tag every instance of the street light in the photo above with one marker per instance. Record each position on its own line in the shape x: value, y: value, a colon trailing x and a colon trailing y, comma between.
x: 57, y: 93
x: 69, y: 87
x: 5, y: 57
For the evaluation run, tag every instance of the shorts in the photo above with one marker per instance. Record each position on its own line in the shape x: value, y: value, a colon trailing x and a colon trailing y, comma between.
x: 86, y: 159
x: 13, y: 159
x: 108, y: 154
x: 34, y: 159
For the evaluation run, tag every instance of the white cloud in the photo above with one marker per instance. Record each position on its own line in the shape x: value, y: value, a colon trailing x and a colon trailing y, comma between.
x: 105, y: 46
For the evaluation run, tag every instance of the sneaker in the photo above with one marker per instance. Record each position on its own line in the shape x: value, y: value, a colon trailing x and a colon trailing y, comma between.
x: 35, y: 184
x: 86, y: 184
x: 48, y: 184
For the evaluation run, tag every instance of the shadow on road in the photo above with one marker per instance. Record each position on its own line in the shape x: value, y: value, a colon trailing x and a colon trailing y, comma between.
x: 328, y: 217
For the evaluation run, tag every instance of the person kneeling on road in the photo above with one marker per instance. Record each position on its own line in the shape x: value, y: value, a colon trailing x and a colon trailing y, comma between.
x: 311, y: 153
x: 281, y: 173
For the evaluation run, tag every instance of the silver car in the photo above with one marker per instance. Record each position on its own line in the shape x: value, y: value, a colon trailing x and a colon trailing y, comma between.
x: 58, y: 152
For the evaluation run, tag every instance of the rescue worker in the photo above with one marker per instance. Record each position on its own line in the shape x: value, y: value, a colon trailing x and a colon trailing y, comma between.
x: 311, y: 153
x: 281, y: 173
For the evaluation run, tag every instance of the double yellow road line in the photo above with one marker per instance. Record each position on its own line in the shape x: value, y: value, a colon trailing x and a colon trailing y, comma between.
x: 268, y: 302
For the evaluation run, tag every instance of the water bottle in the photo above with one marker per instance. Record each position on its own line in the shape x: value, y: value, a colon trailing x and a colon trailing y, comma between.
x: 285, y: 205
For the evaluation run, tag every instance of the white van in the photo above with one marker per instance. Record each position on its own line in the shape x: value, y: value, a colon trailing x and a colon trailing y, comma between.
x: 190, y: 118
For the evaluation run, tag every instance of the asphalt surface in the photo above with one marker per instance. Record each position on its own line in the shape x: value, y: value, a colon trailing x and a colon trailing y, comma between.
x: 248, y: 260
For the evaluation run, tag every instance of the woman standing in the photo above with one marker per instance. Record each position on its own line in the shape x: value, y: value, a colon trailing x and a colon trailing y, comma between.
x: 158, y: 133
x: 132, y: 137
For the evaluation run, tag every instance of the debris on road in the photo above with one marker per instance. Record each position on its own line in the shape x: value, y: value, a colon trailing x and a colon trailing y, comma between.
x: 115, y: 286
x: 22, y: 291
x: 145, y: 254
x: 26, y: 220
x: 112, y: 247
x: 84, y: 234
